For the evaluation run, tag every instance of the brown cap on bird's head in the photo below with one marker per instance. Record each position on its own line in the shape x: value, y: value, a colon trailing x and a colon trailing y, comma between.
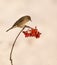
x: 29, y: 18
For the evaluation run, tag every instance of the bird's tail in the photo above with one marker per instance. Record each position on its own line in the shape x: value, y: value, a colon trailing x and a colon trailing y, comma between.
x: 9, y: 29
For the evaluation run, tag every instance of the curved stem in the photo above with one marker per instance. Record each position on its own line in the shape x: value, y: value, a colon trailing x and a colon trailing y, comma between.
x: 14, y: 45
x: 15, y: 42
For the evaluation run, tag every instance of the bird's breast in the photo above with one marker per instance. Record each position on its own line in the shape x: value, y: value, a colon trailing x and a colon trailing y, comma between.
x: 21, y: 24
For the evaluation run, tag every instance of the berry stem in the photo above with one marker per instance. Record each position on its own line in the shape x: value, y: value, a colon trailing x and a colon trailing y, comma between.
x: 11, y: 60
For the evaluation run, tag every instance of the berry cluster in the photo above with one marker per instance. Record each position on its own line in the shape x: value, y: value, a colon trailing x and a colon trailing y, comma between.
x: 33, y: 32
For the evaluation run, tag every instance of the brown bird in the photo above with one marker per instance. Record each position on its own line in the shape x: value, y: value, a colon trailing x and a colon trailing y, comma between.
x: 21, y: 22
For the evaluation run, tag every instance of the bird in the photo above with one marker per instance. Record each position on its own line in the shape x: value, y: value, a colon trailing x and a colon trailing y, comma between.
x: 20, y: 22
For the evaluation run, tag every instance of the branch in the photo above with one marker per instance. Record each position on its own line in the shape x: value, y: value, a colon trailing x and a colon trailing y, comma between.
x: 15, y: 42
x: 14, y: 45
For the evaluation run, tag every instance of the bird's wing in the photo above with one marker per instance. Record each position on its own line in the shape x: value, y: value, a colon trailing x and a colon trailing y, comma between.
x: 18, y: 21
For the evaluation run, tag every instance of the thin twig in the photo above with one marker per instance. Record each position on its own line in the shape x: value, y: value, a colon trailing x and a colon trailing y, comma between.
x: 15, y: 42
x: 14, y: 45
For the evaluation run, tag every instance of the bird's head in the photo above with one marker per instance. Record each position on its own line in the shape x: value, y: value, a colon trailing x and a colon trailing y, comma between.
x: 28, y: 18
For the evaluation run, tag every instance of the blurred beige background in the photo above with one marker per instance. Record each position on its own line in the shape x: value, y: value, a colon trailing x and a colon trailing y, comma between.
x: 29, y: 51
